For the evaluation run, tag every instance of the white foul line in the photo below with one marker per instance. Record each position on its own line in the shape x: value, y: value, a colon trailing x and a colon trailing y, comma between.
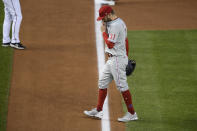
x: 105, y: 123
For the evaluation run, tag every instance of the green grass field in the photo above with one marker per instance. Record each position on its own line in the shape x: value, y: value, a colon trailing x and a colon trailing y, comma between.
x: 5, y: 75
x: 164, y: 84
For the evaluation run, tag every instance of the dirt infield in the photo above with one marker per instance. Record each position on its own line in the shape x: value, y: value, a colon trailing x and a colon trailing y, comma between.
x: 55, y: 79
x: 158, y: 14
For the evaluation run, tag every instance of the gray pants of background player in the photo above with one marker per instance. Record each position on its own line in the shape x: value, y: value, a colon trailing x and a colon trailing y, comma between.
x: 13, y: 16
x: 114, y: 69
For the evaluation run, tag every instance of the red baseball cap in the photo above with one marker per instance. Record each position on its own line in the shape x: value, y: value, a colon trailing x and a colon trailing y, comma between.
x: 103, y: 11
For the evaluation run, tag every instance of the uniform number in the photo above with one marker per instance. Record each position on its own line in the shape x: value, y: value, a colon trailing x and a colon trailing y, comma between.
x: 112, y: 36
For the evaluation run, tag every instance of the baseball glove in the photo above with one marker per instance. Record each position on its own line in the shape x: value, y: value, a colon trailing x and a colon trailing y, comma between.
x: 130, y: 67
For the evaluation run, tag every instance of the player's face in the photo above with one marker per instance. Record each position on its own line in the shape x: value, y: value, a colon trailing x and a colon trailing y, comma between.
x: 107, y: 18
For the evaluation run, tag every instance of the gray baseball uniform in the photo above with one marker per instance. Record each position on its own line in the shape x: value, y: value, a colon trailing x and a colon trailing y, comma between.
x: 13, y: 16
x: 114, y: 68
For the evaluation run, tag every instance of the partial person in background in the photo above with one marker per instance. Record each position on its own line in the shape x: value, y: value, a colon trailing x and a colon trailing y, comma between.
x: 13, y: 17
x: 108, y: 2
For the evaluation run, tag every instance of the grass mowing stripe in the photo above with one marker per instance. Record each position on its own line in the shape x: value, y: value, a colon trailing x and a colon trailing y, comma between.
x: 5, y: 75
x: 164, y: 82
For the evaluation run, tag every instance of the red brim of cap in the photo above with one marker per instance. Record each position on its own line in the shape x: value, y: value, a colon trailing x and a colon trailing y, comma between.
x: 99, y: 18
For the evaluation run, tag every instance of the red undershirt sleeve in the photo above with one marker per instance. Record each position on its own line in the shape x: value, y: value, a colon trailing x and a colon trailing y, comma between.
x: 127, y: 46
x: 107, y: 42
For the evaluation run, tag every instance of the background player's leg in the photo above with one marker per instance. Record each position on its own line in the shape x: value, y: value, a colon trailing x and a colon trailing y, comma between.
x: 17, y: 18
x: 6, y: 26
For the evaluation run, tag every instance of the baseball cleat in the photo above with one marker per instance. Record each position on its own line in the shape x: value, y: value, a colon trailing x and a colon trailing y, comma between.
x: 94, y: 113
x: 106, y: 2
x: 128, y: 117
x: 17, y: 46
x: 5, y: 44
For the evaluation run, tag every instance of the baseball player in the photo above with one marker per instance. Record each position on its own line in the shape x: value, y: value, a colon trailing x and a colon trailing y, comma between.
x: 13, y: 16
x: 116, y: 47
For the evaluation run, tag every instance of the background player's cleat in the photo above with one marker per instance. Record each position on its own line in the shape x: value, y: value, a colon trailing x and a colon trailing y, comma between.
x: 94, y: 113
x: 107, y: 2
x: 17, y: 46
x: 5, y: 44
x: 128, y: 117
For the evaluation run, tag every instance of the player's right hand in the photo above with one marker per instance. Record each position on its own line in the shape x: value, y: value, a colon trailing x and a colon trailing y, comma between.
x: 103, y: 28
